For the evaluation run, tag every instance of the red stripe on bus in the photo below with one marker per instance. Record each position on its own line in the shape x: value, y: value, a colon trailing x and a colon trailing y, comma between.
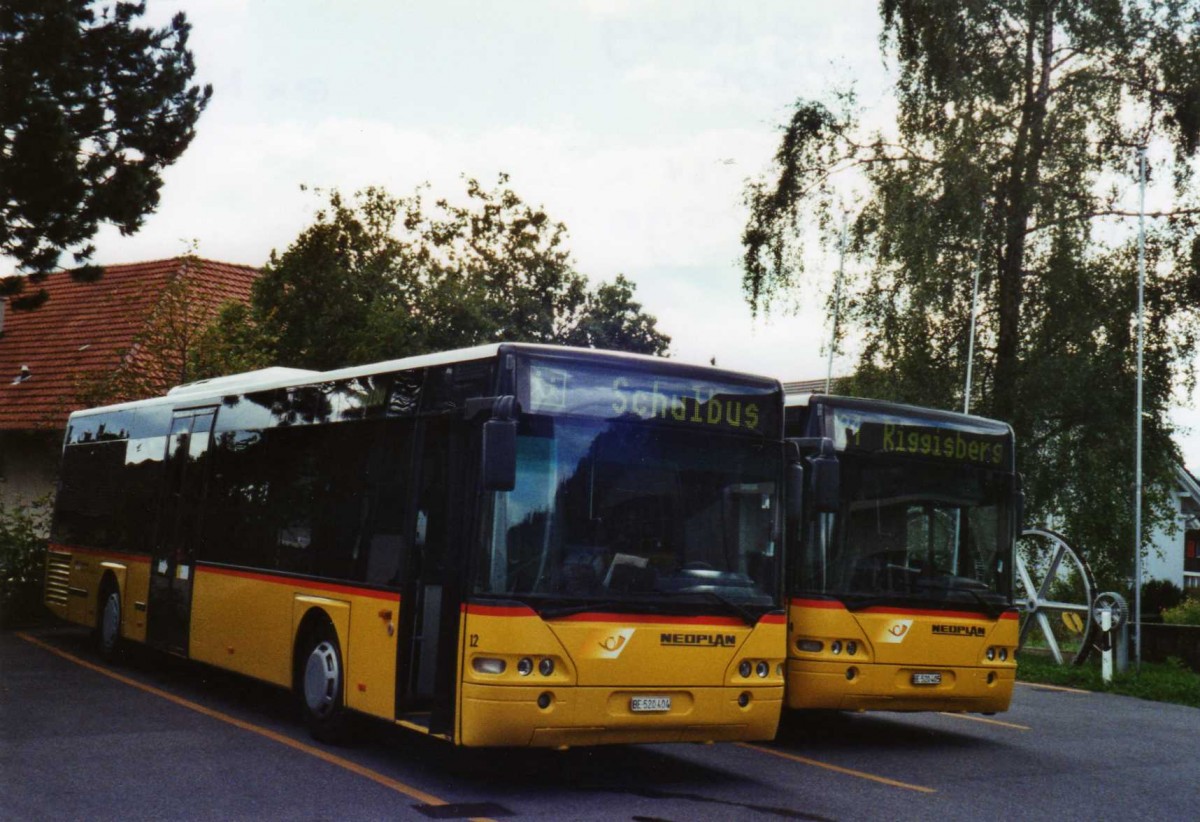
x: 818, y: 603
x: 888, y: 609
x: 924, y: 612
x: 644, y: 618
x: 116, y: 556
x: 600, y: 616
x: 884, y: 609
x: 498, y: 610
x: 391, y: 596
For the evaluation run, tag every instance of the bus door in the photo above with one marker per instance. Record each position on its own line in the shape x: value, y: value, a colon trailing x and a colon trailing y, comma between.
x: 434, y: 591
x: 172, y: 562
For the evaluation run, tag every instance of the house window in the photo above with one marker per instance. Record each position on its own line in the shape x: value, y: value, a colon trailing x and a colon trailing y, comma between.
x: 1191, y: 551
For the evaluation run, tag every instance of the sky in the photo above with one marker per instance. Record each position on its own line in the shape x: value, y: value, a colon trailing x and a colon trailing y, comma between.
x: 635, y: 122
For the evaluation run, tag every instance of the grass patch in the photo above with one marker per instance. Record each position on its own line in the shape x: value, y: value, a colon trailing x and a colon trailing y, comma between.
x: 1170, y: 681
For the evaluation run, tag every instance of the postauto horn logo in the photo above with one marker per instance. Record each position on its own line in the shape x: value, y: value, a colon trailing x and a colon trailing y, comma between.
x: 607, y: 643
x: 895, y: 631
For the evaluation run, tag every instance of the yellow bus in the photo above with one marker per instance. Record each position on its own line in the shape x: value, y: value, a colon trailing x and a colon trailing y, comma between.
x: 504, y: 545
x: 900, y: 584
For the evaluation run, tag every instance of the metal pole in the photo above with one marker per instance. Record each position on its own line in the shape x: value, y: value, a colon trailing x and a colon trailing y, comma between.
x: 837, y: 304
x: 1106, y: 658
x: 971, y: 339
x: 1137, y: 481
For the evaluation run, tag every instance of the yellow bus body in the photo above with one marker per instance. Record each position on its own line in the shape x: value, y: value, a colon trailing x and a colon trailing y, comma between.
x: 247, y: 622
x: 891, y: 645
x: 73, y: 577
x: 597, y: 658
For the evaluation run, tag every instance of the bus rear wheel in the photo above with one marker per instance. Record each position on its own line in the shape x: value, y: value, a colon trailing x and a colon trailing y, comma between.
x: 108, y: 624
x: 322, y: 687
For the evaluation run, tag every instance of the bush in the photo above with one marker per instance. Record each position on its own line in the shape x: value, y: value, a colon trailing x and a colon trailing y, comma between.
x: 22, y: 561
x: 1185, y: 613
x: 1160, y: 594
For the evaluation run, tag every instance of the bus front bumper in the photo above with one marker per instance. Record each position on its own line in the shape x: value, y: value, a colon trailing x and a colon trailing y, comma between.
x: 880, y: 687
x: 574, y: 715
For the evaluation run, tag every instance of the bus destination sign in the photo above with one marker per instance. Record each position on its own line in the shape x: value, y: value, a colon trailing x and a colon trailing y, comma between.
x: 856, y: 431
x: 615, y: 393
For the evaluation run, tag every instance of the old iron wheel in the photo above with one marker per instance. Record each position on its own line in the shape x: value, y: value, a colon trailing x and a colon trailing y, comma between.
x: 1058, y: 593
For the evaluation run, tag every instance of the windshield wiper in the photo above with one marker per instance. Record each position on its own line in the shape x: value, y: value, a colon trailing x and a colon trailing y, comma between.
x: 741, y: 610
x: 965, y: 585
x: 618, y: 605
x: 867, y: 602
x: 992, y: 609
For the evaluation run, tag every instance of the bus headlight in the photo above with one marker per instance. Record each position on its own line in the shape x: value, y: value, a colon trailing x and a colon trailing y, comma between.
x: 811, y: 646
x: 852, y: 647
x: 525, y: 666
x: 487, y: 665
x: 991, y: 654
x: 546, y: 667
x: 744, y: 668
x: 762, y: 669
x: 836, y: 646
x: 1003, y: 654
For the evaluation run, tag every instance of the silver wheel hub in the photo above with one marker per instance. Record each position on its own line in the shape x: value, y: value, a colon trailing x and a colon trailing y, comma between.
x: 322, y: 676
x: 110, y: 622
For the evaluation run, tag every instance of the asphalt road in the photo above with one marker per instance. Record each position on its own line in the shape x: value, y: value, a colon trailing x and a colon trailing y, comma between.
x: 159, y: 738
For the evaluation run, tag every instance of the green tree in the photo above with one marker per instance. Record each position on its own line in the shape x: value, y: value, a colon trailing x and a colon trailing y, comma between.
x: 92, y: 109
x: 23, y: 530
x: 167, y: 348
x: 611, y: 318
x: 1013, y: 153
x: 378, y: 277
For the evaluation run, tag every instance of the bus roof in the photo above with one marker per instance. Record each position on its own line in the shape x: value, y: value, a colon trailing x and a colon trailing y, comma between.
x: 281, y: 377
x: 886, y: 406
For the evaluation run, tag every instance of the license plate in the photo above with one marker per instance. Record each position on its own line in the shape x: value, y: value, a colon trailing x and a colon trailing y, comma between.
x: 927, y: 678
x: 650, y: 704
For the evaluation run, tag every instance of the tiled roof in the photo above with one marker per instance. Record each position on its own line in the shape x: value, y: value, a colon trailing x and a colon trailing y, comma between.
x: 87, y: 331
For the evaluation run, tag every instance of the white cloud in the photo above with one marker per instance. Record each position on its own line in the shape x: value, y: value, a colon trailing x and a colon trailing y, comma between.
x: 612, y: 9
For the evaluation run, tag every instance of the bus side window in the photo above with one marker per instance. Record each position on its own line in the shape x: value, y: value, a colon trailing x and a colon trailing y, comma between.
x: 239, y: 532
x: 387, y: 548
x: 90, y: 494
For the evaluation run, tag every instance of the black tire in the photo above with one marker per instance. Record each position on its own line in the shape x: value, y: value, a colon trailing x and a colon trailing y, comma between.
x: 321, y: 686
x: 108, y: 623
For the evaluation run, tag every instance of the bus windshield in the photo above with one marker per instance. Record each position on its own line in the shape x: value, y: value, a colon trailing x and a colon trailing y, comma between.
x: 625, y: 513
x: 913, y: 530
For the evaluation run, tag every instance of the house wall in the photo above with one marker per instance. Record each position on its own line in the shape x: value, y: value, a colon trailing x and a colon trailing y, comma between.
x: 1164, y: 560
x: 28, y: 466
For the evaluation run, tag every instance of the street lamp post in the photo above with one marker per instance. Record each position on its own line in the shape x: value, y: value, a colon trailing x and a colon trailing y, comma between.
x: 1137, y: 480
x: 837, y: 303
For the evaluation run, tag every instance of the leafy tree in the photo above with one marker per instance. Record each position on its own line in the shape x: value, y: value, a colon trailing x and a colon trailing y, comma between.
x: 611, y: 318
x: 92, y: 109
x: 1013, y: 152
x: 379, y: 277
x: 23, y: 529
x: 165, y: 351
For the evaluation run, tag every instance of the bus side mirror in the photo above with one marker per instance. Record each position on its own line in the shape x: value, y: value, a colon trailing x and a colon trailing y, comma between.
x: 795, y: 490
x: 826, y: 478
x: 499, y: 455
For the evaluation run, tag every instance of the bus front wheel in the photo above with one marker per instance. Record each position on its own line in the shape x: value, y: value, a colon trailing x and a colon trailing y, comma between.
x: 322, y: 681
x: 108, y: 623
